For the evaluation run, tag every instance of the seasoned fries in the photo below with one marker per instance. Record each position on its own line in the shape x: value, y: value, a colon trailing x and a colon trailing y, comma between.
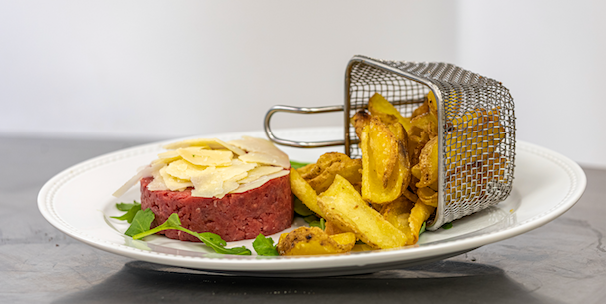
x: 304, y: 192
x: 321, y: 174
x: 385, y: 198
x: 313, y: 240
x: 344, y: 206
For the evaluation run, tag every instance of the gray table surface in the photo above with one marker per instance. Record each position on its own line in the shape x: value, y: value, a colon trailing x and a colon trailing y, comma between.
x: 561, y: 262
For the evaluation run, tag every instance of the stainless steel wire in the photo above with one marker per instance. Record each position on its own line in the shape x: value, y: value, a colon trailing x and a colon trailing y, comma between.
x: 476, y: 126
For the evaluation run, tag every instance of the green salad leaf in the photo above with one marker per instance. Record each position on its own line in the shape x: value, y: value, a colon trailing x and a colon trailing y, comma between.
x: 126, y: 206
x: 422, y: 228
x: 310, y: 219
x: 130, y: 215
x: 141, y: 222
x: 447, y: 226
x: 320, y: 224
x: 297, y: 165
x: 265, y: 246
x: 301, y: 209
x: 210, y: 239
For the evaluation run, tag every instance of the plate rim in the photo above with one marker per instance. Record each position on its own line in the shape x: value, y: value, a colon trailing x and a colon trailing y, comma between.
x: 54, y: 184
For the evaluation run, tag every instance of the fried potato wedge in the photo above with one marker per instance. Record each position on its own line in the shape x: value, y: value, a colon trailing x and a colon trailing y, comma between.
x: 420, y: 110
x: 428, y: 196
x: 333, y: 229
x: 428, y: 164
x: 377, y: 104
x: 415, y: 145
x: 374, y: 188
x: 344, y: 207
x: 426, y: 122
x: 345, y: 239
x: 301, y: 189
x: 314, y: 241
x: 409, y: 195
x: 384, y: 146
x: 362, y: 247
x: 397, y: 213
x: 322, y: 173
x: 419, y: 214
x: 360, y: 120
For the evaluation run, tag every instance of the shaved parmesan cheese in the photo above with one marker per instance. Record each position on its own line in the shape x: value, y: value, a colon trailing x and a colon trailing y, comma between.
x: 252, y: 185
x: 183, y: 169
x: 157, y: 184
x: 173, y: 183
x: 202, y: 157
x: 207, y: 143
x: 213, y: 167
x: 233, y: 148
x: 262, y: 158
x: 144, y: 172
x: 257, y: 172
x: 279, y: 174
x: 205, y: 185
x: 262, y: 146
x: 259, y: 181
x: 211, y: 182
x: 166, y: 157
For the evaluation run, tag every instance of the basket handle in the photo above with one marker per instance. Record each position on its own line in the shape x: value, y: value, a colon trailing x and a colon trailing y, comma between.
x: 298, y: 110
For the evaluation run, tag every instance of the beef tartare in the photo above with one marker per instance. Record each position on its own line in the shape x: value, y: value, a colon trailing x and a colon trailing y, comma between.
x: 237, y: 189
x: 267, y: 209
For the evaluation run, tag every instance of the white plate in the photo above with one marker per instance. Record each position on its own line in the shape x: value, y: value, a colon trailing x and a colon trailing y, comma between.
x: 78, y: 201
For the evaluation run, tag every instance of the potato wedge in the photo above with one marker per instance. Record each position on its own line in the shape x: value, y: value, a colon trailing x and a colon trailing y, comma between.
x: 314, y: 241
x: 345, y: 239
x: 344, y: 207
x: 362, y: 247
x: 409, y: 195
x: 304, y: 192
x: 419, y: 214
x: 323, y: 172
x: 384, y: 146
x: 360, y: 120
x: 415, y: 145
x: 378, y: 104
x: 332, y: 229
x: 397, y: 213
x: 420, y: 110
x: 373, y: 187
x: 426, y: 122
x: 428, y: 197
x: 428, y: 163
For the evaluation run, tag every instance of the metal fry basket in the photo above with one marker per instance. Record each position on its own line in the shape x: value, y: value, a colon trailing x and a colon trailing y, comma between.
x: 476, y: 127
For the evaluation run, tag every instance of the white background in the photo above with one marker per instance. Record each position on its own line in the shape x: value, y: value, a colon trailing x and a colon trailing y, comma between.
x: 160, y: 69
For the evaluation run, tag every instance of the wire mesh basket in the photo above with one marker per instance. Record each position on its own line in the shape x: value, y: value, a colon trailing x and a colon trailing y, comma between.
x: 476, y: 127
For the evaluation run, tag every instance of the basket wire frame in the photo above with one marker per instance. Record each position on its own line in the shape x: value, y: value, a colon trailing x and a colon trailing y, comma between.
x: 476, y: 127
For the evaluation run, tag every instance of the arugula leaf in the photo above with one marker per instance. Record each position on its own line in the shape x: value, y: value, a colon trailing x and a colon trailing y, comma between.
x: 127, y: 207
x: 297, y: 165
x: 265, y: 246
x: 301, y: 209
x: 210, y: 239
x: 128, y: 216
x: 422, y: 228
x: 310, y: 219
x: 447, y: 226
x: 320, y: 224
x: 141, y: 222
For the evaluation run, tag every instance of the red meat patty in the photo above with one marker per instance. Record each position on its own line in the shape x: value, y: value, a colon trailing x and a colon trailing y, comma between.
x: 237, y: 216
